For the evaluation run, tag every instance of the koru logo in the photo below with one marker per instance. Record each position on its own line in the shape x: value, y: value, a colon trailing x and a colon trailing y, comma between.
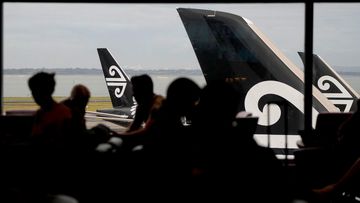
x: 118, y: 80
x: 338, y: 98
x: 280, y: 89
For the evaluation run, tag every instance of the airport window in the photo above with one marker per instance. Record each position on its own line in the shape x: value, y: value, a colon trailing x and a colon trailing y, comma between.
x: 58, y: 36
x: 336, y: 45
x: 152, y: 38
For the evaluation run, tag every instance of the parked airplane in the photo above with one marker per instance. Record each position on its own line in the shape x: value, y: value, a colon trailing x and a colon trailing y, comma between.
x: 120, y: 90
x: 232, y: 48
x: 332, y: 85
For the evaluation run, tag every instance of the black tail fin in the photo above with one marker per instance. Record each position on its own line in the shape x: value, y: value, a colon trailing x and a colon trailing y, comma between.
x: 332, y: 85
x: 118, y: 83
x: 232, y: 48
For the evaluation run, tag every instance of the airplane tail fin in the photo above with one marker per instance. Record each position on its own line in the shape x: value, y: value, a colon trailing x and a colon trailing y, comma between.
x: 332, y: 85
x: 117, y: 82
x: 230, y: 47
x: 271, y: 87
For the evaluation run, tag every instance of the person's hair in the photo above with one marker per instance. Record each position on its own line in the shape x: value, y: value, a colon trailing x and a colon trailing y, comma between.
x: 220, y: 99
x: 144, y: 81
x: 182, y: 91
x: 182, y: 95
x: 80, y: 91
x: 42, y: 82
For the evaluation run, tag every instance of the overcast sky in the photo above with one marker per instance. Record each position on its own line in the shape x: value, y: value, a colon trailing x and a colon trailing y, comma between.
x: 55, y: 35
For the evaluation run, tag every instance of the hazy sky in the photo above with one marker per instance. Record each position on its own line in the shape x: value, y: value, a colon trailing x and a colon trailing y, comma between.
x: 55, y: 35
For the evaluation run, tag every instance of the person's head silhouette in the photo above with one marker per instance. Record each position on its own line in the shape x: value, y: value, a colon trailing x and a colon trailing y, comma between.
x: 218, y: 100
x: 80, y: 95
x: 42, y: 86
x: 143, y: 88
x: 182, y: 96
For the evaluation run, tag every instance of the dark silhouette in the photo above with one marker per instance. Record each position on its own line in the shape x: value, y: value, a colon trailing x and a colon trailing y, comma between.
x: 53, y: 120
x: 181, y: 98
x: 167, y: 154
x: 77, y: 103
x: 45, y: 157
x: 148, y: 105
x: 322, y: 166
x: 147, y: 100
x: 349, y: 139
x: 225, y: 156
x: 348, y: 184
x: 347, y: 150
x: 80, y: 139
x: 344, y: 165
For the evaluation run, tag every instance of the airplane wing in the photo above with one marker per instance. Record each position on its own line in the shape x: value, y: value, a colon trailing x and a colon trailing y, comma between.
x: 98, y: 117
x: 109, y: 115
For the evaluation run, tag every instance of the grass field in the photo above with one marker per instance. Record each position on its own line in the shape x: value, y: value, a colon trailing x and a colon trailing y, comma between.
x: 27, y: 103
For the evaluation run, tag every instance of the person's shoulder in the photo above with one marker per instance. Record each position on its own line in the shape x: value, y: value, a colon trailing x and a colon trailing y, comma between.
x: 66, y: 102
x: 63, y: 109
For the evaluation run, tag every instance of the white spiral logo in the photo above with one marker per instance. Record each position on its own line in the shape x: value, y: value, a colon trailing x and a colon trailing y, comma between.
x: 283, y: 90
x: 119, y: 82
x: 324, y: 85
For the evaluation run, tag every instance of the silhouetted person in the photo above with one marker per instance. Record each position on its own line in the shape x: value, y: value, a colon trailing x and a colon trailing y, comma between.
x: 225, y: 157
x: 168, y: 150
x: 49, y: 140
x: 344, y: 165
x: 77, y: 103
x: 347, y: 150
x: 52, y: 120
x: 322, y: 166
x: 80, y: 140
x: 181, y: 99
x: 147, y: 100
x: 349, y: 139
x: 349, y: 184
x: 148, y: 105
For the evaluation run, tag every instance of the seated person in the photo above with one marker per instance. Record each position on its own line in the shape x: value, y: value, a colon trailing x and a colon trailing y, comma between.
x: 348, y: 183
x: 147, y: 100
x: 52, y: 121
x: 148, y: 104
x: 77, y: 103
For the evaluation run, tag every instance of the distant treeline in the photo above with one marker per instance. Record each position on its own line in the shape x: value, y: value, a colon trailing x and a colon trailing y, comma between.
x: 93, y: 71
x: 349, y: 73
